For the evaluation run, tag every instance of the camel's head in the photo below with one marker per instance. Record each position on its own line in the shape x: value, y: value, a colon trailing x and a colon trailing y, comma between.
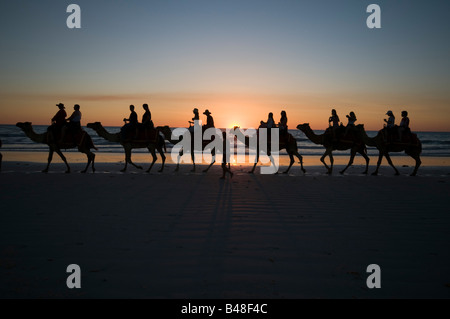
x: 24, y: 125
x: 94, y: 125
x: 304, y: 127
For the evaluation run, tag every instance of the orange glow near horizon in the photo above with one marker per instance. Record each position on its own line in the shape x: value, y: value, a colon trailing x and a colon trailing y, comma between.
x: 228, y: 110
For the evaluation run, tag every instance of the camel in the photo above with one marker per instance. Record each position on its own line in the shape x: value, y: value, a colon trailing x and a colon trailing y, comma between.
x: 356, y: 145
x: 128, y: 145
x: 413, y: 147
x: 84, y: 146
x: 290, y: 144
x: 168, y: 136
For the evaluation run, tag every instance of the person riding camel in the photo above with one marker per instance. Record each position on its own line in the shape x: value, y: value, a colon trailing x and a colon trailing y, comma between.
x: 147, y: 122
x: 58, y: 121
x: 390, y: 125
x: 209, y: 120
x: 270, y: 122
x: 282, y: 125
x: 195, y: 120
x: 351, y: 122
x: 404, y: 125
x: 333, y: 122
x: 73, y: 123
x: 131, y: 126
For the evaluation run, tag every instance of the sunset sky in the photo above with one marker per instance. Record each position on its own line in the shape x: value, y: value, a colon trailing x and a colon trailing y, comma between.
x: 239, y: 59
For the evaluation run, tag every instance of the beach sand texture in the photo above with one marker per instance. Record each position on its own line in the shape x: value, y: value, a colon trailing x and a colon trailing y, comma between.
x: 191, y: 235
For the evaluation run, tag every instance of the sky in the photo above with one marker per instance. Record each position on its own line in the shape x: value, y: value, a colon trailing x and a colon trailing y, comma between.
x: 238, y: 59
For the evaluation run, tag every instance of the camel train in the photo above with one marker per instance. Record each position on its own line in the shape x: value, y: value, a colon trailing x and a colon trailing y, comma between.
x: 356, y: 140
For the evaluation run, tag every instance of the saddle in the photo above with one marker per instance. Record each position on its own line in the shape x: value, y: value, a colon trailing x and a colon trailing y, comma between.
x: 339, y: 135
x: 392, y: 136
x: 72, y: 138
x: 142, y: 134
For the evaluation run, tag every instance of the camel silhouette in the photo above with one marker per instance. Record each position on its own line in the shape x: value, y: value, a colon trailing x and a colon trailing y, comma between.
x: 168, y: 136
x: 413, y: 148
x: 84, y: 145
x: 354, y: 144
x: 128, y: 145
x: 289, y: 143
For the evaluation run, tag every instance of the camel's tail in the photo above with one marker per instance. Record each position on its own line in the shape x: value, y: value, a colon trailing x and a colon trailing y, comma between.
x: 90, y: 143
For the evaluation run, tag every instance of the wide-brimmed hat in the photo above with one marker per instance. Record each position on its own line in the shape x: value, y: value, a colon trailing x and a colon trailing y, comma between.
x: 60, y: 105
x: 389, y: 112
x: 207, y: 112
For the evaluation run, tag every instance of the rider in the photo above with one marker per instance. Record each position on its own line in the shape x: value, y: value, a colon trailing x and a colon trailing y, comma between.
x: 195, y: 120
x: 209, y: 120
x: 74, y: 123
x: 147, y: 122
x: 58, y: 120
x: 270, y: 122
x: 333, y: 121
x: 390, y: 124
x: 131, y: 125
x: 351, y: 122
x: 404, y: 125
x: 283, y: 124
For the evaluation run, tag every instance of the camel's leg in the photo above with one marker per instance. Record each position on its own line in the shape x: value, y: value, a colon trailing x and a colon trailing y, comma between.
x: 126, y: 161
x: 300, y: 158
x: 49, y: 160
x: 152, y: 151
x: 418, y: 162
x: 129, y: 161
x: 63, y: 158
x: 392, y: 164
x: 291, y: 157
x: 350, y: 162
x: 322, y: 159
x: 93, y: 162
x: 89, y: 155
x: 209, y: 166
x: 256, y: 162
x: 331, y: 161
x: 364, y: 154
x: 380, y: 159
x: 212, y: 162
x: 163, y: 157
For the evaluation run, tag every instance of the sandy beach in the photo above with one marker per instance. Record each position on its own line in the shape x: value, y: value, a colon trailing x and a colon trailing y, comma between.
x: 192, y: 235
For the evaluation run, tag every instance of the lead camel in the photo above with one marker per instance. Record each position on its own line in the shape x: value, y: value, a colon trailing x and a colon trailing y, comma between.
x: 82, y: 141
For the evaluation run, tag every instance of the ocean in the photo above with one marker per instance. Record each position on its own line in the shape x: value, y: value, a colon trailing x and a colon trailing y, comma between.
x: 434, y: 144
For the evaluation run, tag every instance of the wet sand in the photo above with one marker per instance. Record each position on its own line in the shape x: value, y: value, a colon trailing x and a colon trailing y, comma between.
x: 192, y: 235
